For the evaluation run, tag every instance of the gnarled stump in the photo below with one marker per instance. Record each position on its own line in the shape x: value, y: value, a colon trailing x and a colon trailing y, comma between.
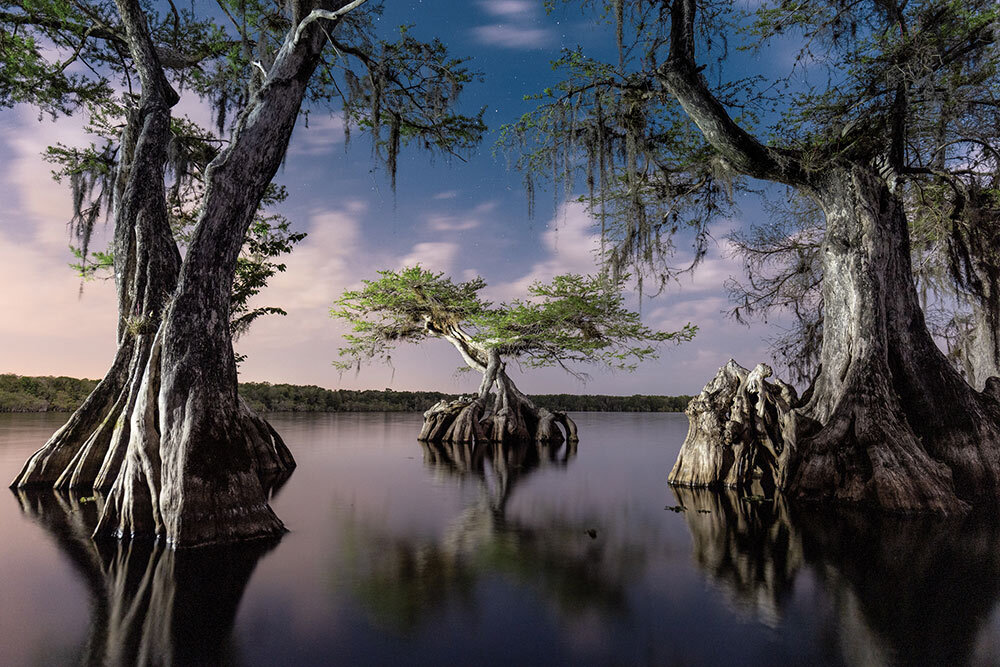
x: 740, y: 428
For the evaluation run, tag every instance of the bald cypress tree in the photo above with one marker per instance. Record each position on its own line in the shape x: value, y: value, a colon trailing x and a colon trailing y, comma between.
x: 887, y: 420
x: 569, y: 321
x: 165, y: 432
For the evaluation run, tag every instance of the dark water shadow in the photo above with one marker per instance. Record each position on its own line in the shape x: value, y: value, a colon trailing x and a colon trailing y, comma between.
x: 914, y: 591
x: 405, y: 582
x: 149, y: 604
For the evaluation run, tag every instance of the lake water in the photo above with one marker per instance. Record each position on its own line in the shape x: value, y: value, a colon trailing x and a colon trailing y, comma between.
x: 400, y: 553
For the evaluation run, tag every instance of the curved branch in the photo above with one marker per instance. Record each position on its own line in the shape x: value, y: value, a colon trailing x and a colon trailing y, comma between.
x: 682, y: 78
x: 317, y: 14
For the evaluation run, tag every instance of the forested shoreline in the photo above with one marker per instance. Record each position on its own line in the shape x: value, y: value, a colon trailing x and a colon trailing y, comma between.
x: 65, y: 394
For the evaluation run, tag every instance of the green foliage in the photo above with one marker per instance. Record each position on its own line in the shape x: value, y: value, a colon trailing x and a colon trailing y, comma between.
x: 914, y: 86
x: 574, y: 318
x: 266, y: 397
x: 42, y: 394
x: 268, y: 237
x: 910, y: 85
x: 649, y: 173
x: 29, y: 32
x: 404, y: 306
x: 90, y: 172
x: 410, y: 89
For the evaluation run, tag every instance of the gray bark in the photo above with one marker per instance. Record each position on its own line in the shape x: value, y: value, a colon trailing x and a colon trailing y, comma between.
x: 184, y: 457
x: 899, y: 427
x: 738, y: 427
x: 499, y: 412
x: 888, y: 422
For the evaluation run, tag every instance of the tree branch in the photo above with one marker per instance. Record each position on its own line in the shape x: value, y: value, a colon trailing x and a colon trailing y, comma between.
x: 140, y: 44
x: 330, y: 15
x: 682, y: 78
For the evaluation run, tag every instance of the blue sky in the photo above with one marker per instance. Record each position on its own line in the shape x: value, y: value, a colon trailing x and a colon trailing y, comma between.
x: 464, y: 218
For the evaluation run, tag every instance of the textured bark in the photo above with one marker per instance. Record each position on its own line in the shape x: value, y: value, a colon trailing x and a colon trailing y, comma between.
x: 185, y: 459
x: 150, y: 605
x: 898, y: 426
x: 738, y: 427
x: 499, y: 412
x: 888, y: 421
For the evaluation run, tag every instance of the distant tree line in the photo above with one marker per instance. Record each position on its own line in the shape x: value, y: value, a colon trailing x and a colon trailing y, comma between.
x: 42, y: 394
x: 64, y: 394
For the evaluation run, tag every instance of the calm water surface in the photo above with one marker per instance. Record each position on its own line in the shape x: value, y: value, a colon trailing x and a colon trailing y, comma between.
x: 407, y: 554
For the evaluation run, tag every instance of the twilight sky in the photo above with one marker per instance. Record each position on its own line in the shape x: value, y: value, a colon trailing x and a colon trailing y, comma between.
x: 462, y: 218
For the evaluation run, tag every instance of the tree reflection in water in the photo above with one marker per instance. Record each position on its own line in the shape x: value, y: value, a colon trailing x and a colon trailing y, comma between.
x: 402, y: 580
x: 150, y: 605
x: 747, y: 548
x: 903, y: 590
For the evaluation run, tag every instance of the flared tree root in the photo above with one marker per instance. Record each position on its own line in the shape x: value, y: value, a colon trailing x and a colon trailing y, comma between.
x: 739, y: 428
x: 467, y: 420
x: 112, y: 445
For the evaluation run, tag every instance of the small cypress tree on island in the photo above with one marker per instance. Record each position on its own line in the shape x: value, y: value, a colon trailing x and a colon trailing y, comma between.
x: 571, y: 320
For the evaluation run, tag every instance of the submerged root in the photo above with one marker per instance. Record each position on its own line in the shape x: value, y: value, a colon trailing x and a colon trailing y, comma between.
x: 548, y: 431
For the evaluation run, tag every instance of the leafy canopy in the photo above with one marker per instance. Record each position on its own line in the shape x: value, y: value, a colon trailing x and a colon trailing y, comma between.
x: 573, y: 318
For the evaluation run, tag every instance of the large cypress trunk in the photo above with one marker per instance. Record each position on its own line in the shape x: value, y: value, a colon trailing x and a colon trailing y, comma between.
x: 185, y: 459
x: 900, y: 427
x: 888, y: 421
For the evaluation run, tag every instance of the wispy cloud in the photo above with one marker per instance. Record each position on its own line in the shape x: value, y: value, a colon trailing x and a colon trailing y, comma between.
x: 571, y: 241
x: 510, y: 8
x: 432, y: 255
x: 515, y: 24
x: 460, y: 223
x: 325, y: 131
